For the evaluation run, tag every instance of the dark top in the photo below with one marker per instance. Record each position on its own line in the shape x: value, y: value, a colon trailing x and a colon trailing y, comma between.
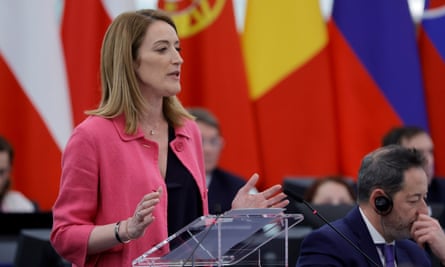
x: 436, y: 195
x: 13, y: 222
x: 184, y: 200
x: 222, y: 189
x: 436, y: 191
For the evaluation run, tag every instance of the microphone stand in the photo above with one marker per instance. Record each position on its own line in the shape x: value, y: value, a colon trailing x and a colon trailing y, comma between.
x: 207, y: 231
x: 315, y: 212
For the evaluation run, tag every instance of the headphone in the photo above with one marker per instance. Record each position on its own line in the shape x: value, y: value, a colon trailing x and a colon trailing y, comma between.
x: 383, y: 205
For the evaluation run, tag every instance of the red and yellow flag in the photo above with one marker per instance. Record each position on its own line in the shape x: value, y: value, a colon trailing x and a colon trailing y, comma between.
x: 290, y: 84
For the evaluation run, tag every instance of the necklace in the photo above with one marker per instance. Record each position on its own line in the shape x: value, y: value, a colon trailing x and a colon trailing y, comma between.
x: 152, y: 130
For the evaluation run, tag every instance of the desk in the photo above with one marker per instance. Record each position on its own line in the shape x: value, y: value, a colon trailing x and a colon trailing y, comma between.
x: 11, y: 227
x: 34, y: 249
x: 8, y: 246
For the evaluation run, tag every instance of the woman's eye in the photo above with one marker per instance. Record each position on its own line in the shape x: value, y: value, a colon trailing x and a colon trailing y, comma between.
x: 162, y: 49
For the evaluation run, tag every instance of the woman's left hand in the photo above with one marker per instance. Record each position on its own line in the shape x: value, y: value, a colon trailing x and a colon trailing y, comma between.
x: 272, y: 197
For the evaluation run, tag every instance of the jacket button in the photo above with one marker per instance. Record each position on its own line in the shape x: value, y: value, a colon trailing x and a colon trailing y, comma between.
x: 179, y: 146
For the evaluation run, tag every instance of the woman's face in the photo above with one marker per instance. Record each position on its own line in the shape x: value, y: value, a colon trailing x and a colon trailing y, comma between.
x: 158, y: 64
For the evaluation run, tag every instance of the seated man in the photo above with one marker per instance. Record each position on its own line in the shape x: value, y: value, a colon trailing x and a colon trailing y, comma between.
x: 10, y: 200
x: 392, y: 188
x: 222, y: 185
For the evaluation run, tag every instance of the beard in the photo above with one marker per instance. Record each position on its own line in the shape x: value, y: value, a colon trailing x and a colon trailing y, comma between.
x: 395, y: 227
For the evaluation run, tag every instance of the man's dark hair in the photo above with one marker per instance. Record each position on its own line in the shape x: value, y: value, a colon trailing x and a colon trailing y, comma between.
x: 397, y: 134
x: 205, y: 116
x: 384, y: 168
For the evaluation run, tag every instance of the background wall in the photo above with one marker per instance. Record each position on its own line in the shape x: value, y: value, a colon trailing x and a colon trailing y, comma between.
x: 297, y: 91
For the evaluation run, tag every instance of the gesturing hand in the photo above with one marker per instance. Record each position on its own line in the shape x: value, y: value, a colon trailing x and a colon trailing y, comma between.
x: 143, y: 215
x: 272, y: 197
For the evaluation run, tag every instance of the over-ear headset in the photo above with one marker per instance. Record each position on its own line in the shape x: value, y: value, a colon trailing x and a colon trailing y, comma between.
x: 383, y: 205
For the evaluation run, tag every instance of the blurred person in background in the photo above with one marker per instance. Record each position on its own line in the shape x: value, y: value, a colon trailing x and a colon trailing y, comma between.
x: 222, y: 184
x: 11, y: 200
x: 418, y: 138
x: 331, y: 190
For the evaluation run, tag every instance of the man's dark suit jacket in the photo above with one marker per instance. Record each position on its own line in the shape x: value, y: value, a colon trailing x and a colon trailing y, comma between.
x: 222, y: 189
x: 325, y: 247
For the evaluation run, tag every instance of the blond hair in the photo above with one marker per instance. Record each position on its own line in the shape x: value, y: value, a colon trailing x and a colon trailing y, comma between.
x: 120, y: 90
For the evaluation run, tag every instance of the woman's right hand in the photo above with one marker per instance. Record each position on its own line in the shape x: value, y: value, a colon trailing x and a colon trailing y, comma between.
x: 143, y: 215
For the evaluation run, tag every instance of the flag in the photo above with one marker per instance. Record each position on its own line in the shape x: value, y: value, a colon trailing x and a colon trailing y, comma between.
x: 48, y: 78
x: 84, y: 23
x: 432, y: 53
x: 377, y: 74
x: 285, y: 49
x: 34, y: 104
x: 213, y: 76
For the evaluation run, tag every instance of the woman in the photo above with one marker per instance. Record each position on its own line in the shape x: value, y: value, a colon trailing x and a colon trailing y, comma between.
x: 133, y: 170
x: 333, y: 190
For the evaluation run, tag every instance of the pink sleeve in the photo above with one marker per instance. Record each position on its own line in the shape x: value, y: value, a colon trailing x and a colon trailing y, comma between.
x: 77, y: 201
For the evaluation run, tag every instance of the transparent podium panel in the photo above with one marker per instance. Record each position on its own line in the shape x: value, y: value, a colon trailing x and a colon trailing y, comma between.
x: 222, y: 240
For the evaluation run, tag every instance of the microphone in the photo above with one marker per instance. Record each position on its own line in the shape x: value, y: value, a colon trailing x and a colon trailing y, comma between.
x: 315, y: 212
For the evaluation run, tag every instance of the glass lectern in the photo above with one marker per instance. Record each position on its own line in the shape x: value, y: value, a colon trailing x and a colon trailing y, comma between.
x: 222, y: 240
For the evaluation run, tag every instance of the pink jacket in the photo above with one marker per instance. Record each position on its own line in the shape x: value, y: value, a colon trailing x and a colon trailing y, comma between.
x: 105, y: 173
